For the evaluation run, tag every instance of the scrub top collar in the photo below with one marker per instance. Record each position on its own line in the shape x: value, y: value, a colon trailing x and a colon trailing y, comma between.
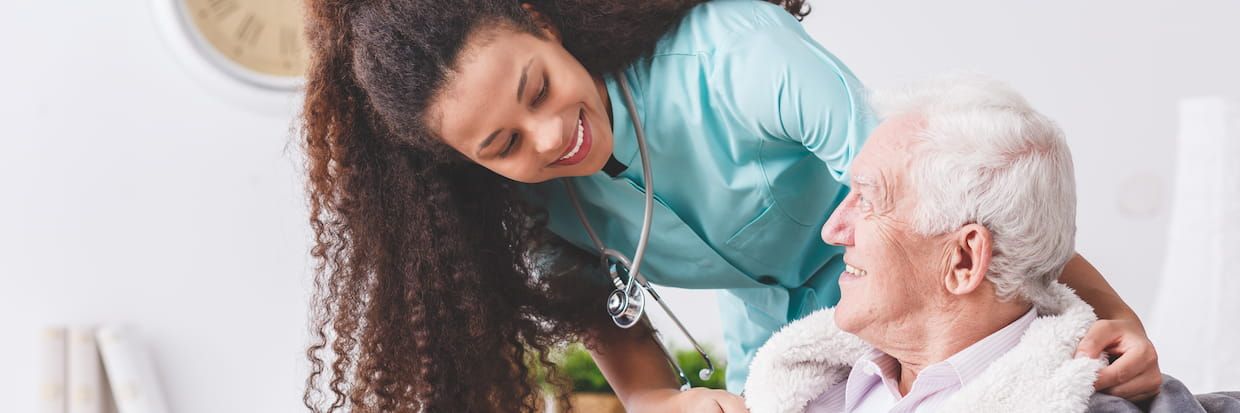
x: 624, y: 137
x: 614, y: 168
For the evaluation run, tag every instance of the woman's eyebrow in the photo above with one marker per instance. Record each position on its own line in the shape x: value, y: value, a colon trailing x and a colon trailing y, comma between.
x: 525, y: 75
x: 486, y: 142
x: 525, y: 71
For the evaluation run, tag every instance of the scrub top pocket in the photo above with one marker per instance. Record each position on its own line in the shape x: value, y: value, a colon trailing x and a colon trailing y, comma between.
x: 755, y: 240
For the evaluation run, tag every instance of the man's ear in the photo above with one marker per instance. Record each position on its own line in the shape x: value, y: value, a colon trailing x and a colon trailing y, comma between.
x: 542, y: 22
x: 970, y: 259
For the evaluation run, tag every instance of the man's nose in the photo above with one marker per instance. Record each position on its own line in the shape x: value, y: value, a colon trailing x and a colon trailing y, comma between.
x: 839, y: 227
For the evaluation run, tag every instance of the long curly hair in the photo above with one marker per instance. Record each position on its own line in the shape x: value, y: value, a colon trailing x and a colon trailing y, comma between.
x: 436, y: 287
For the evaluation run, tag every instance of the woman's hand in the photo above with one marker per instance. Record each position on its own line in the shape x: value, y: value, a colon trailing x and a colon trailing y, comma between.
x: 1118, y: 332
x: 1135, y: 374
x: 695, y: 400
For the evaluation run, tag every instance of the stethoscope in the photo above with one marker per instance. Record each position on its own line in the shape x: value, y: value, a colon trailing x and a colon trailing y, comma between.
x: 627, y: 302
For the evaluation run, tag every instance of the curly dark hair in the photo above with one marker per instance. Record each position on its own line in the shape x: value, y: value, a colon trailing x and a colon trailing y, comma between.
x: 436, y: 286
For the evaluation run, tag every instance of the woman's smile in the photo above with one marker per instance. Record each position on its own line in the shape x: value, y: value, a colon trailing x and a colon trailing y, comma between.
x: 579, y: 146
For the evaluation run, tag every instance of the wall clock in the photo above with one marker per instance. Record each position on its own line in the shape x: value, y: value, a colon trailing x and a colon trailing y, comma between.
x: 253, y: 50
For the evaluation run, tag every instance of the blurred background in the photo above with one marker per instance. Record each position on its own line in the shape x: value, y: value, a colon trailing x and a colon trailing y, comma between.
x: 144, y: 184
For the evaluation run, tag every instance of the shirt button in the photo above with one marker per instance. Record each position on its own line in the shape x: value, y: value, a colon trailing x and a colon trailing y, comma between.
x: 768, y: 280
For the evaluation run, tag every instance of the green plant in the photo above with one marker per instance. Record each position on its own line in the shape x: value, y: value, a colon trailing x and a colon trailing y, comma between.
x: 577, y: 364
x: 691, y: 363
x: 580, y: 368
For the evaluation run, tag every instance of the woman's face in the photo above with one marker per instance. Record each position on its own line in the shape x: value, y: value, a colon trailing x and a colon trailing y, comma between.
x: 522, y: 106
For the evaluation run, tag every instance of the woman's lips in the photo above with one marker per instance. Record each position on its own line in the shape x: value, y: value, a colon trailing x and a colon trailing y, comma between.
x: 581, y: 143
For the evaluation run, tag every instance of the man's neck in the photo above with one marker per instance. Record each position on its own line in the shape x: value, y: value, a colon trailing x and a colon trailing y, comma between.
x: 944, y: 332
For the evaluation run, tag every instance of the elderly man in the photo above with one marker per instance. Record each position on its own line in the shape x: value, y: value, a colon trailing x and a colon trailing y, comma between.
x: 960, y: 220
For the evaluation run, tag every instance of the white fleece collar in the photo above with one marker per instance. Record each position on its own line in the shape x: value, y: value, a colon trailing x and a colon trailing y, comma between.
x: 1039, y: 374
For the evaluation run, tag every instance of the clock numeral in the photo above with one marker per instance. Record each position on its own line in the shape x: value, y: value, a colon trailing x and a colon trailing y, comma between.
x: 250, y: 29
x: 222, y: 8
x: 289, y: 44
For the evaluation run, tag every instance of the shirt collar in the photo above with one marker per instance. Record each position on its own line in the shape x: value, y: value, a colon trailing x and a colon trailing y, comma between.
x: 875, y: 368
x: 879, y: 368
x: 973, y: 360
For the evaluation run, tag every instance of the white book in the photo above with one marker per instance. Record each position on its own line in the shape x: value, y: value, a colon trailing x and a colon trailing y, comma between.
x: 135, y: 387
x: 52, y: 370
x: 85, y: 373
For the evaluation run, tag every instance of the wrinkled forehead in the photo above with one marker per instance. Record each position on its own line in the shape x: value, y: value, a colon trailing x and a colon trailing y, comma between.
x: 889, y: 149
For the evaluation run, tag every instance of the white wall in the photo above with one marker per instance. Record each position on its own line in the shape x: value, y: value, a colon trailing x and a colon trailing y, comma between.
x: 133, y: 191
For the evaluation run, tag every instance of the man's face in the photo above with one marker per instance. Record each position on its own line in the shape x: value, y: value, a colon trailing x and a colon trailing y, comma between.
x: 893, y: 273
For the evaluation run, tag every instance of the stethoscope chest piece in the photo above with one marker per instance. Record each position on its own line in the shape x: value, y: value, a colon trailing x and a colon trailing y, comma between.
x: 626, y: 303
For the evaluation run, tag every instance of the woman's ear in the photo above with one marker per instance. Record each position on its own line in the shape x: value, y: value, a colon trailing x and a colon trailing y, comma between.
x: 971, y: 252
x: 542, y: 22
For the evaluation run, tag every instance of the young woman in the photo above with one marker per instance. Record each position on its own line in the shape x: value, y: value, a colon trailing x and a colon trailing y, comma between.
x: 443, y: 138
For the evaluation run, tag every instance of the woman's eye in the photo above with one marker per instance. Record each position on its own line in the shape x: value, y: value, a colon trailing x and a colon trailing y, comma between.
x: 542, y: 93
x: 512, y: 142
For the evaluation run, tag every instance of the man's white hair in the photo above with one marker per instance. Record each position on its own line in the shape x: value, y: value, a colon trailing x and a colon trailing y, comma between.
x: 985, y: 156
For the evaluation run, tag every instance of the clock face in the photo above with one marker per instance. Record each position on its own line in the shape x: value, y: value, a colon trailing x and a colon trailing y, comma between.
x: 262, y: 36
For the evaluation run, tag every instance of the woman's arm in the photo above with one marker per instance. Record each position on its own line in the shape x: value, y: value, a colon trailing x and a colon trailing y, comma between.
x: 1096, y: 291
x: 635, y: 367
x: 1118, y: 332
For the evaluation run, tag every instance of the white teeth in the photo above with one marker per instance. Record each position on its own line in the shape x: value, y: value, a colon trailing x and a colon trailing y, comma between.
x: 854, y: 270
x: 580, y: 139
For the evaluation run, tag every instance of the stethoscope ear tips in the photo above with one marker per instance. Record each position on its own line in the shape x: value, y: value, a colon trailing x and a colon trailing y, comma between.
x: 705, y: 374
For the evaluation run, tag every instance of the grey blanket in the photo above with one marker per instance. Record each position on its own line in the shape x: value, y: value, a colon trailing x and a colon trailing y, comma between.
x: 1174, y: 397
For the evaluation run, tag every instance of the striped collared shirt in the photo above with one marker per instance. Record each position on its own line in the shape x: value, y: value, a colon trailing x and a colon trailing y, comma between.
x: 872, y: 385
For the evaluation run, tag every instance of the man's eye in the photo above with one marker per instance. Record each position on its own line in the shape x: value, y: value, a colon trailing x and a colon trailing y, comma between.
x: 512, y: 142
x: 864, y: 204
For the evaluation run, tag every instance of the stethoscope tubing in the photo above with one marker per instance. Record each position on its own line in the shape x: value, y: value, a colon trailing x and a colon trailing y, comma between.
x: 636, y: 280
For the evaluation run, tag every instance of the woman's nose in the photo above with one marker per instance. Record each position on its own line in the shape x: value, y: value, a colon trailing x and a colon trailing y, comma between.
x: 547, y: 134
x: 839, y: 227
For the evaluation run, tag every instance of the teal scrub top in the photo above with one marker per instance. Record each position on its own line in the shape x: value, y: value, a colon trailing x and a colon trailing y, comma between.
x: 751, y: 127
